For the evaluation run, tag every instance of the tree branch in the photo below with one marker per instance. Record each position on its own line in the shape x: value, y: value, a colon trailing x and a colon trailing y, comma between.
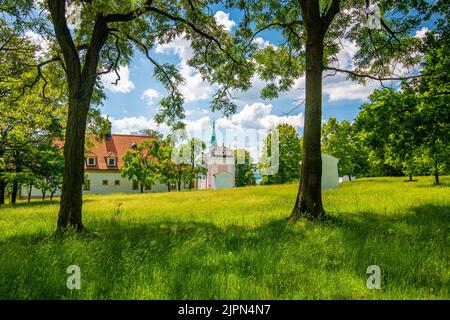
x: 363, y: 75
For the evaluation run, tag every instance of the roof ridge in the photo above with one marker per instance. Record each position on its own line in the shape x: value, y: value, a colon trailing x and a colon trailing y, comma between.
x: 131, y: 135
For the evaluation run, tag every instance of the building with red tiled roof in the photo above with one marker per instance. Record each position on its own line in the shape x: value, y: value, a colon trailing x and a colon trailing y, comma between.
x: 103, y: 162
x: 108, y: 154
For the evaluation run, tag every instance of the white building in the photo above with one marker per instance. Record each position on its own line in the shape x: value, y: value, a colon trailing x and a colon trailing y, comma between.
x: 221, y: 167
x: 330, y: 176
x: 102, y: 165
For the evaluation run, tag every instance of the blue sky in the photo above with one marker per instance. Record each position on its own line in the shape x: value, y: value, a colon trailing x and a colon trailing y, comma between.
x: 132, y: 104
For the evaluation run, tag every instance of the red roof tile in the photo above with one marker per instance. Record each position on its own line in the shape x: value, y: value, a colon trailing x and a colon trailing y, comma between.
x: 116, y: 146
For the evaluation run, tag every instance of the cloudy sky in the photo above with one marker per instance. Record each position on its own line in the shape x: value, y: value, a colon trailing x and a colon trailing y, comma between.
x: 133, y: 102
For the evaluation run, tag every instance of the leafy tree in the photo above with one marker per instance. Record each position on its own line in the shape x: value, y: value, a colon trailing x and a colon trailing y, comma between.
x: 196, y: 148
x: 245, y: 168
x: 312, y: 31
x: 101, y: 38
x: 433, y: 94
x: 166, y: 166
x: 151, y: 133
x: 49, y: 175
x: 289, y: 156
x: 340, y: 140
x: 141, y: 164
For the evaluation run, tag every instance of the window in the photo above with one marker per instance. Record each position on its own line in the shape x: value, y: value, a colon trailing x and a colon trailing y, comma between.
x: 148, y: 186
x: 90, y: 161
x: 111, y: 162
x: 117, y: 182
x: 105, y: 182
x: 87, y: 185
x: 135, y: 185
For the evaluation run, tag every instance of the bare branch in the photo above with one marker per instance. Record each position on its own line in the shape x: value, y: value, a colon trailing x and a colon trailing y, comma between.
x: 363, y: 75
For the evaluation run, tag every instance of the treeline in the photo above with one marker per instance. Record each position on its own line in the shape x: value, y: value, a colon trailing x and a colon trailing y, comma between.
x: 32, y: 118
x: 400, y: 131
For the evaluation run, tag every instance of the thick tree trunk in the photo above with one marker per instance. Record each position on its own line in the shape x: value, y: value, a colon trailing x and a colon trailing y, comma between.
x: 43, y: 195
x: 81, y: 81
x: 142, y: 187
x: 309, y: 197
x: 14, y: 192
x: 71, y: 192
x: 2, y: 192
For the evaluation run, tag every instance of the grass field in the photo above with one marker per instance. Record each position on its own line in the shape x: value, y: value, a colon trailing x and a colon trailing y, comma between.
x: 235, y: 244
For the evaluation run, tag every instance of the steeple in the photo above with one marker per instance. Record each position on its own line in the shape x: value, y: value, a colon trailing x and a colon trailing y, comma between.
x: 213, y: 137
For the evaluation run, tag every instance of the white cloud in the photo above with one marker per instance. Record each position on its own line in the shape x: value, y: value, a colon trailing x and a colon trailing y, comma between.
x: 150, y: 96
x: 259, y: 116
x: 42, y: 43
x: 194, y: 89
x: 348, y: 89
x: 223, y: 19
x: 124, y: 85
x: 421, y: 33
x: 346, y: 54
x: 261, y: 43
x: 134, y: 124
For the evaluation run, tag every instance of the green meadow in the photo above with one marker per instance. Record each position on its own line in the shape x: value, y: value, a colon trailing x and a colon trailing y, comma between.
x: 236, y: 244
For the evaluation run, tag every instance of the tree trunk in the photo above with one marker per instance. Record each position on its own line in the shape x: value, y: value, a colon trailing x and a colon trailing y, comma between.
x: 309, y: 198
x: 349, y: 177
x: 80, y: 81
x: 436, y: 172
x: 71, y: 191
x: 2, y: 192
x: 410, y: 177
x: 29, y: 193
x: 43, y: 195
x: 142, y: 187
x: 14, y: 192
x: 168, y: 187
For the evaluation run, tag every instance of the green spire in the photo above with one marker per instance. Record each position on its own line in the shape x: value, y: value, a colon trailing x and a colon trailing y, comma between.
x: 213, y: 137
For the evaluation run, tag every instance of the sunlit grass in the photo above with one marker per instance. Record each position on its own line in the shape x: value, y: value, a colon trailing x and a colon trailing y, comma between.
x: 235, y: 244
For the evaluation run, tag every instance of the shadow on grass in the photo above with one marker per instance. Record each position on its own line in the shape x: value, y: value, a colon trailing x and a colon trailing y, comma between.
x: 201, y: 260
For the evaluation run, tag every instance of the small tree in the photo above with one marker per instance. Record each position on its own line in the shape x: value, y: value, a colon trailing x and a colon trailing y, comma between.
x: 289, y: 155
x: 245, y: 168
x: 141, y: 164
x: 338, y: 139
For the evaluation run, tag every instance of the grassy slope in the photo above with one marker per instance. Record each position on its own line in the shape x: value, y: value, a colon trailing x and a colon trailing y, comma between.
x: 235, y: 244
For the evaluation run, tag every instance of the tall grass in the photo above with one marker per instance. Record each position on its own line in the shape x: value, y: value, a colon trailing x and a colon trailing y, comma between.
x: 236, y: 244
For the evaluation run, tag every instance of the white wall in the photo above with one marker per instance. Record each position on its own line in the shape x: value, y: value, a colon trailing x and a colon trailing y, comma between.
x: 96, y: 185
x: 330, y: 177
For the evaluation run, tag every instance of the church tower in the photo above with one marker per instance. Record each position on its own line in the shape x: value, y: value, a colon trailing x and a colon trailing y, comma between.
x: 220, y: 164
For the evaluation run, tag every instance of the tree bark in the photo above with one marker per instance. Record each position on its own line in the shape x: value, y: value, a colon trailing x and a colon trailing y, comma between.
x: 309, y: 197
x: 14, y: 192
x: 436, y: 172
x: 81, y: 81
x: 29, y: 193
x: 2, y: 192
